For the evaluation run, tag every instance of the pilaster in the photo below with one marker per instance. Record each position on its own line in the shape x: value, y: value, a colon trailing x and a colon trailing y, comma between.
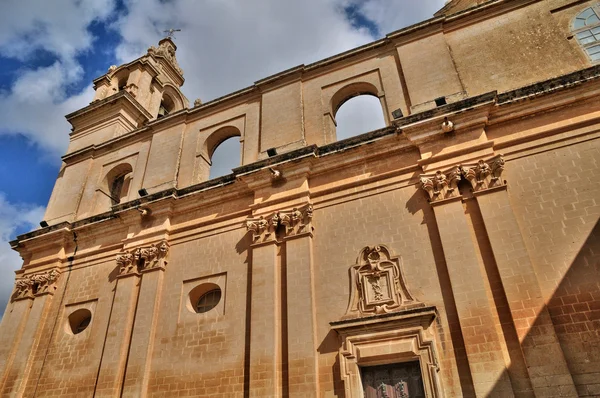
x: 543, y: 355
x: 482, y: 342
x: 139, y: 363
x: 265, y: 321
x: 120, y: 325
x: 303, y: 378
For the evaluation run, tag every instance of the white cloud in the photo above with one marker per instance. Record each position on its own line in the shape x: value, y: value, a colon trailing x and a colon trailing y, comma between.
x: 13, y: 216
x: 58, y: 26
x: 391, y: 15
x: 226, y: 45
x: 37, y: 104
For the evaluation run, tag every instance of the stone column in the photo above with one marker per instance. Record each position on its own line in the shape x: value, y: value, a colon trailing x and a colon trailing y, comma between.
x: 543, y: 355
x: 482, y: 343
x: 265, y: 312
x: 139, y: 363
x: 40, y: 287
x: 303, y: 380
x: 118, y: 335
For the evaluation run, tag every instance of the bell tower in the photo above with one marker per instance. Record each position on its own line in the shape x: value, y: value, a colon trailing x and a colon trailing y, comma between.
x: 130, y: 96
x: 128, y: 99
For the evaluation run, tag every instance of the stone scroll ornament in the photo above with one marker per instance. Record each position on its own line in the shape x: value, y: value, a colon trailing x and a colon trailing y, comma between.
x: 377, y: 284
x: 36, y: 284
x: 294, y: 221
x: 143, y: 259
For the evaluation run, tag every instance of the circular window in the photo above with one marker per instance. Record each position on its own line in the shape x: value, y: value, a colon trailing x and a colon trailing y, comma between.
x: 205, y: 297
x: 79, y: 320
x: 208, y: 301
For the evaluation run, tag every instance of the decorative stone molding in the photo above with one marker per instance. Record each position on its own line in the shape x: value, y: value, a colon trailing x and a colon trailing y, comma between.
x: 404, y: 336
x: 377, y: 284
x: 485, y: 174
x: 143, y: 259
x: 167, y: 51
x: 295, y: 221
x: 441, y: 185
x: 482, y: 175
x: 36, y: 284
x: 132, y: 89
x: 261, y: 228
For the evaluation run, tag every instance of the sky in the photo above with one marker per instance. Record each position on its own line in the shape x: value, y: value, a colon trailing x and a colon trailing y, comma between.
x: 50, y: 51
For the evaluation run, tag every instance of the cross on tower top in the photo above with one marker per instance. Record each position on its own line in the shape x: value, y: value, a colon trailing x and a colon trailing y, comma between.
x: 171, y: 32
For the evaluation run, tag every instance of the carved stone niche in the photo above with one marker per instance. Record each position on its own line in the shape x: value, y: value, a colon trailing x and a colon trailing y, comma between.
x: 143, y: 259
x: 441, y: 185
x: 484, y: 174
x: 38, y: 284
x: 377, y: 284
x: 389, y: 339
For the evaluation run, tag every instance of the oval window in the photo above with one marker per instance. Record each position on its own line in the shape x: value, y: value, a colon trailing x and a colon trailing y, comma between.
x: 208, y: 301
x: 204, y: 297
x: 79, y: 320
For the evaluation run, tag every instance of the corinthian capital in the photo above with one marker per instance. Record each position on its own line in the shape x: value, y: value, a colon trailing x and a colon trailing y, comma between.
x: 441, y: 185
x: 484, y: 174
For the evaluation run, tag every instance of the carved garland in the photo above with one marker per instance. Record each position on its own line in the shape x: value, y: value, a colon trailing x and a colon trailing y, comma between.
x: 295, y: 221
x: 143, y: 259
x: 482, y: 175
x: 36, y: 284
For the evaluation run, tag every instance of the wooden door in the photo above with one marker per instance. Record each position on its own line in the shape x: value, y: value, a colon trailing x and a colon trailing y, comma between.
x: 398, y: 380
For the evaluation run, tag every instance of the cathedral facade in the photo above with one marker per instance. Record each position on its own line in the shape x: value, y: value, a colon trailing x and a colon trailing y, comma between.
x: 453, y: 253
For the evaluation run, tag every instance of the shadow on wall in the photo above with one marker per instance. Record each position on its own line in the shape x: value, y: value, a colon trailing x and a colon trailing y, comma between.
x: 575, y: 315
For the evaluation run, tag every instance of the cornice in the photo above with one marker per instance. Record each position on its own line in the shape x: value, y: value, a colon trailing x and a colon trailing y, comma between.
x: 107, y: 105
x: 258, y: 171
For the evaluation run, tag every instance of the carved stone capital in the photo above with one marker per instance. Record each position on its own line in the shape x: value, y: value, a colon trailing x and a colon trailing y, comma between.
x: 441, y: 185
x: 295, y: 221
x: 484, y: 174
x: 36, y: 284
x: 262, y: 229
x: 143, y: 259
x: 378, y: 285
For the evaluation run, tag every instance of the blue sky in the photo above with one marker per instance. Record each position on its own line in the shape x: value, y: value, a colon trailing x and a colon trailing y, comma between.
x: 50, y: 51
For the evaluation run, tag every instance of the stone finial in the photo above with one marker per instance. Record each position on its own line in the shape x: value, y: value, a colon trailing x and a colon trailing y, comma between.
x: 197, y: 102
x: 166, y: 49
x: 112, y: 68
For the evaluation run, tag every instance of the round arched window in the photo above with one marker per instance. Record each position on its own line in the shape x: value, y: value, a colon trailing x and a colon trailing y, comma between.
x: 79, y: 320
x: 208, y: 301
